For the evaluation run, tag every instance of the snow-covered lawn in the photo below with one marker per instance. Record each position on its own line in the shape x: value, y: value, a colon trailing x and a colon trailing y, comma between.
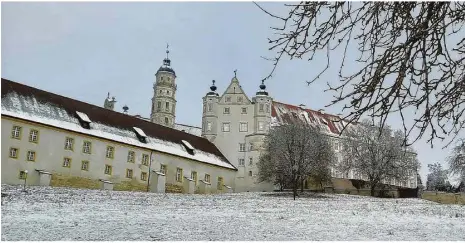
x: 74, y: 214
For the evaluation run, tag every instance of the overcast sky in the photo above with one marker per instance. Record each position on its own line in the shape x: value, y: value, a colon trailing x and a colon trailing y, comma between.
x: 84, y: 50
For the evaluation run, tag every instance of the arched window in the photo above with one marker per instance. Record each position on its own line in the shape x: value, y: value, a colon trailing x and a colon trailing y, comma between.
x: 166, y: 120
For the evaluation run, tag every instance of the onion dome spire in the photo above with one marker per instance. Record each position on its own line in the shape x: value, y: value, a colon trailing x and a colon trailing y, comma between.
x: 213, y: 89
x: 262, y: 90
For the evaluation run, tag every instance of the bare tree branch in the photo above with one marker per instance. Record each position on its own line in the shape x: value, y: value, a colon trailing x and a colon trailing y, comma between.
x: 412, y: 57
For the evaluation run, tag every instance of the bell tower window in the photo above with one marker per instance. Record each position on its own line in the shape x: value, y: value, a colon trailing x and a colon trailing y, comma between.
x: 166, y: 120
x: 167, y: 106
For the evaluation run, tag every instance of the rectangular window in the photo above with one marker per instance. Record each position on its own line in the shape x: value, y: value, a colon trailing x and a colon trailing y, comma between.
x: 33, y: 136
x: 239, y: 99
x: 167, y: 106
x: 209, y: 126
x: 143, y: 176
x: 226, y: 110
x: 250, y: 173
x: 241, y: 147
x: 129, y: 173
x: 16, y: 132
x: 69, y: 143
x: 194, y: 177
x: 241, y: 162
x: 228, y: 99
x: 336, y: 145
x: 108, y: 169
x: 85, y: 165
x: 67, y: 162
x: 210, y: 107
x: 261, y: 126
x: 250, y: 161
x: 163, y: 169
x: 178, y: 174
x: 207, y: 178
x: 260, y: 107
x: 243, y: 127
x: 22, y: 175
x: 14, y: 153
x: 110, y: 152
x: 87, y: 147
x: 31, y: 156
x: 244, y: 110
x: 145, y: 159
x: 131, y: 155
x: 226, y: 127
x: 158, y: 105
x: 219, y: 186
x: 267, y: 107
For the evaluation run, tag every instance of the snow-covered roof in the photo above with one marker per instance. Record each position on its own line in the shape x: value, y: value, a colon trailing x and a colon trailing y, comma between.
x: 31, y: 104
x: 140, y: 132
x: 289, y: 114
x: 197, y: 131
x: 83, y: 117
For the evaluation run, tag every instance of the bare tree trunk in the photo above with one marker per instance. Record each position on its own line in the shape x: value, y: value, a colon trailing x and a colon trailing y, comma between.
x: 295, y: 185
x: 372, y: 190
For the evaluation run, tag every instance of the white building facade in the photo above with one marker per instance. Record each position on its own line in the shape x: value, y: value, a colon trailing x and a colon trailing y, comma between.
x: 80, y: 144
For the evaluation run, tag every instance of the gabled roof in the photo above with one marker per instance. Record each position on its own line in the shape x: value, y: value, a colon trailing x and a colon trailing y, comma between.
x: 231, y: 90
x: 28, y: 103
x: 289, y: 114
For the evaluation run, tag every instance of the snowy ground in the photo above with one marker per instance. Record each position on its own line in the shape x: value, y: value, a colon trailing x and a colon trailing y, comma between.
x: 73, y: 214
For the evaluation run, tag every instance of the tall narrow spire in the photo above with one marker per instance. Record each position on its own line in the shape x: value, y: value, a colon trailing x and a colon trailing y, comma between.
x: 167, y: 50
x: 167, y: 61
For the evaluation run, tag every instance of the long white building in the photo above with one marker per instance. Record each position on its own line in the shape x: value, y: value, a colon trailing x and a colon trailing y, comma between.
x: 80, y: 144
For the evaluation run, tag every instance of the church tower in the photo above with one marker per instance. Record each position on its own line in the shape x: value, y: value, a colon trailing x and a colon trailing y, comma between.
x: 164, y: 95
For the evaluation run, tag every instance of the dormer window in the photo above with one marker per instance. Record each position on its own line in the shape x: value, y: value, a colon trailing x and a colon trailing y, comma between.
x: 189, y: 148
x: 83, y: 119
x: 140, y: 135
x: 226, y: 110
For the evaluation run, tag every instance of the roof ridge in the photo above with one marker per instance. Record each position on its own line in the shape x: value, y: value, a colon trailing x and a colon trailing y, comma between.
x: 307, y: 109
x: 110, y: 117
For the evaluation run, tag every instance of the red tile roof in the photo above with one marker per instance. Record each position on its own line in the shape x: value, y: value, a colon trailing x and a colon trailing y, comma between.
x: 288, y: 114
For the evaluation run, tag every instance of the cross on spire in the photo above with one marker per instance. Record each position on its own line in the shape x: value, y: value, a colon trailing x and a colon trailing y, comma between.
x: 167, y: 50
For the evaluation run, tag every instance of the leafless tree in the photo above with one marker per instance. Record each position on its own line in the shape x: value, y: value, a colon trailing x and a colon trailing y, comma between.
x: 437, y: 178
x: 294, y: 152
x: 457, y: 160
x: 411, y: 57
x: 378, y: 156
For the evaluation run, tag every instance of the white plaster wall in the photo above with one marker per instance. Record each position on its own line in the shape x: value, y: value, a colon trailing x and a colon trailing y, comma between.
x: 50, y: 153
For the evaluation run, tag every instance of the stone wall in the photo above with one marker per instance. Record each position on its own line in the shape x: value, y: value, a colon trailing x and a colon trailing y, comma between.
x: 170, y: 188
x: 132, y: 185
x: 443, y: 197
x: 59, y: 180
